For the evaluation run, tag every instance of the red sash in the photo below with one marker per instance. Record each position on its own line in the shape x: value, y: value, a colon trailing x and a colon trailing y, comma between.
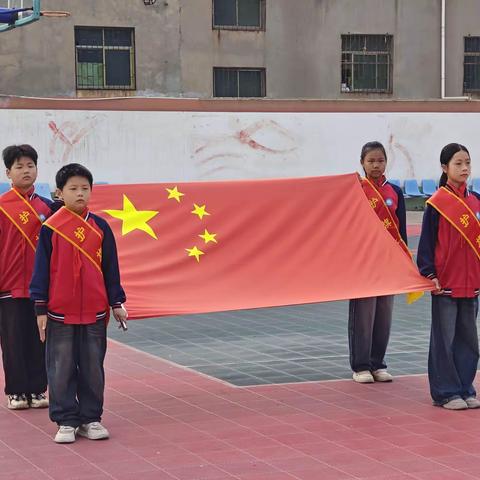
x: 453, y: 209
x: 21, y: 213
x: 381, y: 209
x: 75, y: 230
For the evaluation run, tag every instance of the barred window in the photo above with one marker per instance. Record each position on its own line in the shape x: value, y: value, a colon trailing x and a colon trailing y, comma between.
x: 239, y: 14
x: 105, y: 58
x: 238, y: 82
x: 471, y: 65
x: 367, y: 63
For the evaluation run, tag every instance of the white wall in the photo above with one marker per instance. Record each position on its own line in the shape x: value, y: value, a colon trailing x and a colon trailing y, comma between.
x: 131, y: 147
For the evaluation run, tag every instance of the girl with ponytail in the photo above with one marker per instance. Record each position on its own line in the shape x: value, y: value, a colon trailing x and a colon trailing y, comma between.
x: 449, y: 254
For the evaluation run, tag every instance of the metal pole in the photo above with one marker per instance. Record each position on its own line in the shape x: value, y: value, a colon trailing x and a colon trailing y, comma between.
x: 442, y: 50
x: 443, y: 55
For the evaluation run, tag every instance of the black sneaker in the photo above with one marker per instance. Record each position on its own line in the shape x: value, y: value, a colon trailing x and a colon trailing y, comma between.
x: 17, y: 402
x: 38, y: 400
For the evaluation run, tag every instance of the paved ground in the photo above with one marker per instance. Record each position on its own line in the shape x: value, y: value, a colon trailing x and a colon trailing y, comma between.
x: 170, y: 423
x: 280, y: 345
x: 242, y: 420
x: 277, y: 345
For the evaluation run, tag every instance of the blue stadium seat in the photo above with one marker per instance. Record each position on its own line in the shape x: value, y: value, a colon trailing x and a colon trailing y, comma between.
x: 411, y: 188
x: 429, y: 187
x: 43, y: 189
x: 4, y: 187
x: 475, y: 185
x: 100, y: 183
x: 395, y: 181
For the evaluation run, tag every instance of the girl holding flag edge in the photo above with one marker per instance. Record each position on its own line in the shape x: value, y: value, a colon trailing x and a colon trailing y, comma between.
x: 449, y: 254
x: 370, y: 318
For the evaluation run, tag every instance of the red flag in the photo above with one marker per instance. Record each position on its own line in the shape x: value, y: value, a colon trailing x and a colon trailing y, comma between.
x: 215, y: 246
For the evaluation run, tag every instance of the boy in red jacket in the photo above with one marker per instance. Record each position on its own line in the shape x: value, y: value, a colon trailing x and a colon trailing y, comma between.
x: 76, y: 280
x: 21, y: 215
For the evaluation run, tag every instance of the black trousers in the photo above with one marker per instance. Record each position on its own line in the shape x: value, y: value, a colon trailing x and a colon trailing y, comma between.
x: 23, y: 354
x: 76, y: 378
x: 369, y: 325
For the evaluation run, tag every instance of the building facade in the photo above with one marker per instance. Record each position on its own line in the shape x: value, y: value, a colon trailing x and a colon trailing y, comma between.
x: 327, y: 49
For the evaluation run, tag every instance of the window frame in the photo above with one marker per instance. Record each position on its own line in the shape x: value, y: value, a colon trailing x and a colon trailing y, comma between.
x: 263, y: 79
x: 373, y: 53
x: 470, y: 91
x: 260, y: 28
x: 104, y: 48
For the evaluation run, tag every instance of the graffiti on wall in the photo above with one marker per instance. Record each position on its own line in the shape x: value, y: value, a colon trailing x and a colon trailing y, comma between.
x: 139, y: 146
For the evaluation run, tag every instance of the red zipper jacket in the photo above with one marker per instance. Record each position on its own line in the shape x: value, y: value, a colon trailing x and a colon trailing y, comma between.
x: 16, y: 255
x: 67, y: 287
x: 443, y: 253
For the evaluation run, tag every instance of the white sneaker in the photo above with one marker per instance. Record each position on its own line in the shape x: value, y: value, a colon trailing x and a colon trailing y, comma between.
x: 456, y: 404
x: 17, y: 402
x: 93, y: 431
x: 472, y: 402
x: 382, y: 375
x: 38, y: 400
x: 65, y: 434
x: 363, y: 377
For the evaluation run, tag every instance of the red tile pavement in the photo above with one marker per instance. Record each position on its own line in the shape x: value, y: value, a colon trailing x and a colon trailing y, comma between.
x: 168, y: 422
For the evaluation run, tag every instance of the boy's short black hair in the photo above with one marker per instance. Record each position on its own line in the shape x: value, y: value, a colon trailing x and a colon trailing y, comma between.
x: 14, y: 152
x: 72, y: 170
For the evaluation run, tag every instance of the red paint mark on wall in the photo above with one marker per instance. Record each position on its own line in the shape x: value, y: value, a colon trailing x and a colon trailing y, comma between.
x: 245, y: 136
x: 249, y: 136
x: 67, y: 135
x: 410, y: 169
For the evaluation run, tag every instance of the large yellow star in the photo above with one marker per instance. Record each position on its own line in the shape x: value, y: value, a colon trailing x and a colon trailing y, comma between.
x: 174, y: 193
x: 200, y: 211
x: 194, y: 252
x: 133, y: 219
x: 209, y: 237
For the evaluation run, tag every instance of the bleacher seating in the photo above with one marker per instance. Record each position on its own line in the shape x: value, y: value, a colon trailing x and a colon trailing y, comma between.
x: 4, y: 187
x: 395, y: 181
x: 429, y: 187
x: 43, y: 189
x: 411, y: 188
x: 475, y: 187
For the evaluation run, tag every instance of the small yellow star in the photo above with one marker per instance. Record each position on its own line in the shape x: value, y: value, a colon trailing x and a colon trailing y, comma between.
x: 209, y: 237
x: 194, y: 252
x: 133, y: 219
x: 174, y: 193
x: 200, y: 211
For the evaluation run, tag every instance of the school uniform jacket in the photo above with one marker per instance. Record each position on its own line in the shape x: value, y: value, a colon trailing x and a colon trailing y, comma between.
x: 67, y: 286
x: 444, y: 254
x: 16, y: 255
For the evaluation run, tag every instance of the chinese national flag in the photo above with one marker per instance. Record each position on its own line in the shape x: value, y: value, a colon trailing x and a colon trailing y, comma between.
x: 214, y: 246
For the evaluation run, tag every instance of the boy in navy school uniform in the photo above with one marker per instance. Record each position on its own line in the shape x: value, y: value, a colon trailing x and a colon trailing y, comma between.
x: 76, y: 280
x: 22, y: 212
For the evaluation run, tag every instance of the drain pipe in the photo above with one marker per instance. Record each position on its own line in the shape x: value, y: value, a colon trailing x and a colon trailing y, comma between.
x: 443, y: 57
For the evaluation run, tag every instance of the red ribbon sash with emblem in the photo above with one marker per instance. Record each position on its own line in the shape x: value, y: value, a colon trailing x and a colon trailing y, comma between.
x: 459, y: 215
x: 21, y: 213
x: 75, y: 230
x: 381, y: 209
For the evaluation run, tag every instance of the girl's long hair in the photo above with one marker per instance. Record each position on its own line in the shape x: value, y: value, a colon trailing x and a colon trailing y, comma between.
x: 448, y: 151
